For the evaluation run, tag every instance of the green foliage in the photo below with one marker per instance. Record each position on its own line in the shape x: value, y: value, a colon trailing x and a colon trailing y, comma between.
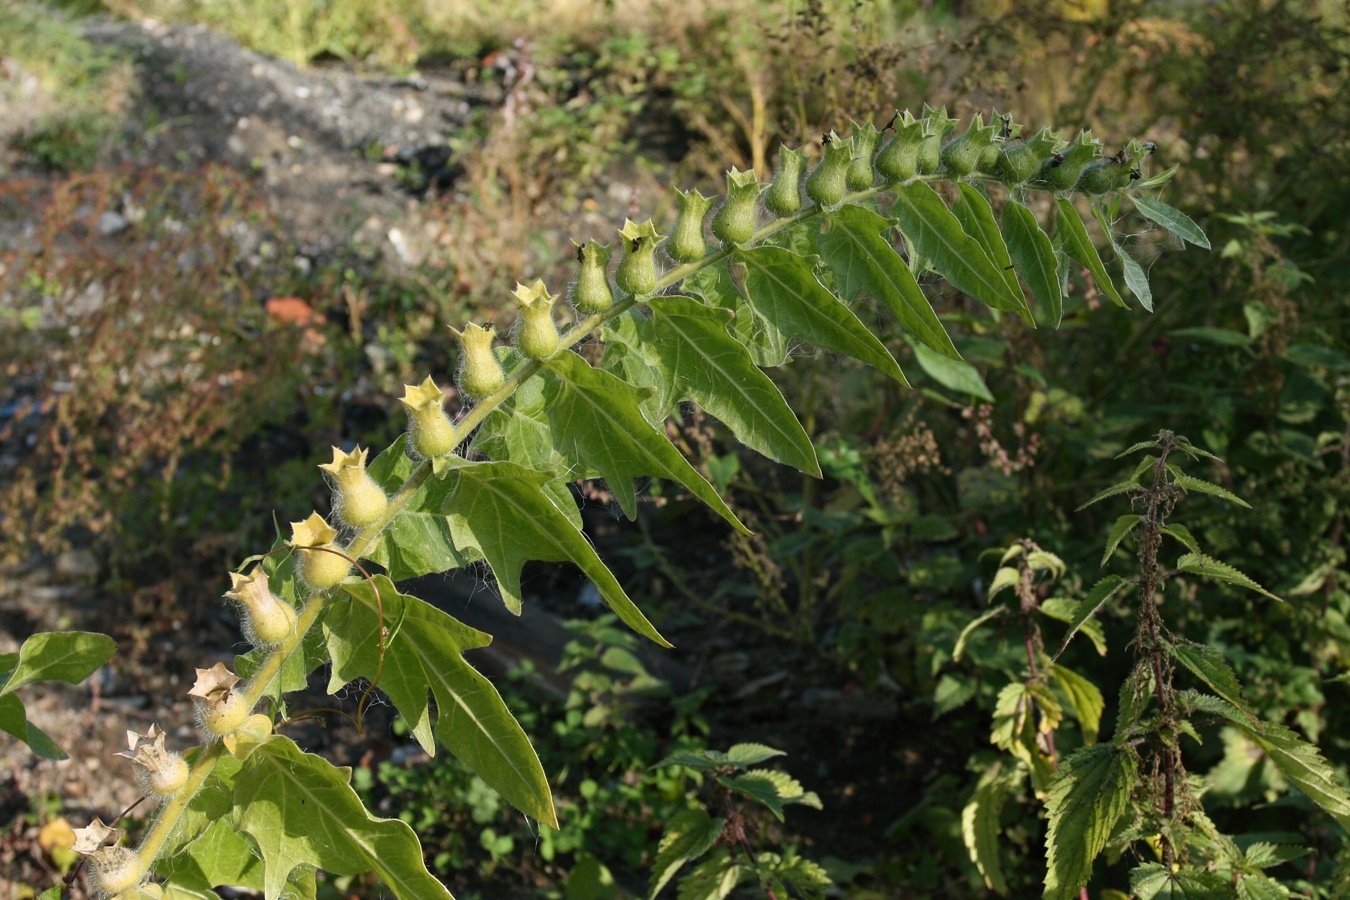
x: 69, y: 656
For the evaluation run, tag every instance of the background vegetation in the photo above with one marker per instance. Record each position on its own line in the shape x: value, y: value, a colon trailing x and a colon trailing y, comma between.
x: 859, y: 584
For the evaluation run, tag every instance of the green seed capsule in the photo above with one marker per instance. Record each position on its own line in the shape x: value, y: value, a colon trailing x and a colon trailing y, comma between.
x: 590, y: 292
x: 686, y: 242
x: 1060, y: 172
x: 860, y: 173
x: 637, y: 272
x: 1005, y: 129
x: 479, y: 371
x: 962, y: 156
x: 937, y: 126
x: 899, y: 159
x: 784, y: 196
x: 536, y: 335
x: 828, y: 182
x: 1103, y: 177
x: 734, y: 223
x: 1019, y: 162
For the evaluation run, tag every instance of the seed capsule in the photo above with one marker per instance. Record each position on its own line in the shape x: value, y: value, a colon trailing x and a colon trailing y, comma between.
x: 268, y: 620
x: 322, y: 564
x: 1005, y: 129
x: 221, y: 708
x: 686, y: 243
x: 479, y: 372
x: 860, y: 173
x: 430, y: 428
x: 784, y: 196
x: 357, y: 499
x: 161, y: 771
x: 1019, y: 162
x: 937, y: 125
x: 536, y: 335
x: 898, y: 160
x: 637, y: 273
x: 590, y: 292
x: 828, y: 182
x: 1061, y: 171
x: 962, y: 156
x: 734, y: 222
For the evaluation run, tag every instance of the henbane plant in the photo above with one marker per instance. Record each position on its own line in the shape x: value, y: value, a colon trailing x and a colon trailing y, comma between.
x: 692, y: 316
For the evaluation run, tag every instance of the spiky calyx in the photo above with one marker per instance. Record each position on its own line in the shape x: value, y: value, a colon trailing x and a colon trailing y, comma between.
x: 936, y: 126
x: 637, y: 273
x: 686, y: 242
x: 1061, y: 171
x: 1018, y: 162
x: 962, y: 156
x: 479, y: 371
x: 221, y: 707
x: 323, y: 564
x: 784, y: 196
x: 357, y: 499
x: 535, y: 334
x: 860, y: 173
x: 161, y: 771
x: 430, y: 428
x: 590, y: 292
x: 734, y: 222
x: 268, y: 620
x: 828, y: 182
x: 898, y: 161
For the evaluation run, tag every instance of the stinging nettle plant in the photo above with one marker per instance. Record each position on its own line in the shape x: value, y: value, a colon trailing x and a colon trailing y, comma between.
x: 679, y: 317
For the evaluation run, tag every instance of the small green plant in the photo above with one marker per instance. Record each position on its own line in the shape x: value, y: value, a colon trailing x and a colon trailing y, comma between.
x: 492, y: 486
x: 722, y: 850
x: 1133, y: 789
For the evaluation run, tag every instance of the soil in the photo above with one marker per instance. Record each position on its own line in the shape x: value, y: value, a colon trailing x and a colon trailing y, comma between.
x: 328, y: 146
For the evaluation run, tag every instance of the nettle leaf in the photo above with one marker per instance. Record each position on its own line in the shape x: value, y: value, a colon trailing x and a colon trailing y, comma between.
x: 750, y: 754
x: 426, y: 655
x: 976, y: 216
x: 1073, y: 237
x: 1264, y: 854
x: 1209, y: 567
x: 936, y: 235
x: 980, y: 828
x: 1152, y: 881
x: 69, y: 656
x: 1182, y: 534
x: 1034, y: 256
x: 1122, y: 527
x: 768, y: 345
x: 771, y: 789
x: 417, y: 541
x: 1207, y: 664
x: 1120, y: 487
x: 1191, y: 483
x: 596, y: 419
x: 298, y: 809
x: 1101, y: 592
x: 864, y: 262
x: 1085, y: 699
x: 789, y: 299
x: 1174, y: 220
x: 1004, y: 578
x: 1251, y: 886
x: 689, y: 834
x: 714, y: 878
x: 960, y: 649
x: 1062, y: 609
x: 1088, y: 795
x: 688, y: 342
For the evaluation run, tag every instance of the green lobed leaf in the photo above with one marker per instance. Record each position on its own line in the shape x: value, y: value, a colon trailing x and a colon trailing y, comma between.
x: 976, y: 216
x: 1088, y: 795
x: 1191, y: 483
x: 1085, y: 699
x: 298, y: 809
x: 936, y: 234
x: 689, y: 834
x: 689, y: 344
x: 69, y: 656
x: 960, y: 649
x: 1073, y: 236
x: 1264, y: 854
x: 1208, y: 567
x: 980, y: 829
x: 1252, y: 886
x: 1034, y: 256
x: 426, y: 655
x: 1152, y: 881
x: 1174, y: 220
x: 417, y: 541
x: 790, y: 300
x: 1123, y: 526
x: 864, y: 262
x: 1101, y: 592
x: 595, y: 419
x: 1207, y: 664
x: 771, y: 789
x: 768, y: 346
x: 954, y: 374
